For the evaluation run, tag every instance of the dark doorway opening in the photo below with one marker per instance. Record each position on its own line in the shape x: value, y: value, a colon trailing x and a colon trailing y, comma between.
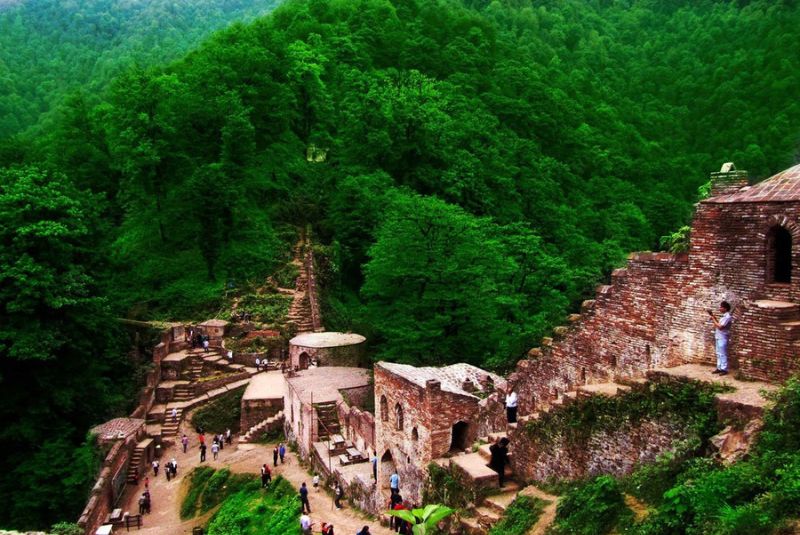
x: 459, y: 440
x: 779, y: 255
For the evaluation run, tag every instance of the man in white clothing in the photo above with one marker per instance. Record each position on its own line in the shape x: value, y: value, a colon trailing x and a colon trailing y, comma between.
x: 511, y: 406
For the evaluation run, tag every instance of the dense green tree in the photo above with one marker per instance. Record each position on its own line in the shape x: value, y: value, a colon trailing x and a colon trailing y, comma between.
x: 53, y: 326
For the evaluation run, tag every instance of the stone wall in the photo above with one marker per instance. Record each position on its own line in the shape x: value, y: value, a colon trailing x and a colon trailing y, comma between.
x: 620, y: 432
x: 201, y: 387
x: 111, y: 482
x: 115, y: 465
x: 255, y: 411
x: 429, y: 414
x: 358, y: 426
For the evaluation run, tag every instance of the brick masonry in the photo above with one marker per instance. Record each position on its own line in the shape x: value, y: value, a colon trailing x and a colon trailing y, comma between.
x: 653, y: 312
x: 425, y: 433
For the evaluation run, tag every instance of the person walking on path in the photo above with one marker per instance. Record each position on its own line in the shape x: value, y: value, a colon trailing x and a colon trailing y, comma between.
x: 185, y: 442
x: 327, y: 529
x: 364, y: 531
x: 722, y: 334
x: 394, y: 483
x: 305, y: 524
x: 228, y: 436
x: 155, y: 467
x: 282, y: 451
x: 275, y: 456
x: 499, y: 459
x: 202, y: 453
x: 258, y: 364
x: 304, y: 498
x: 201, y: 437
x: 266, y: 476
x: 511, y: 406
x: 338, y: 494
x: 215, y: 449
x: 205, y: 344
x: 173, y: 465
x: 315, y: 482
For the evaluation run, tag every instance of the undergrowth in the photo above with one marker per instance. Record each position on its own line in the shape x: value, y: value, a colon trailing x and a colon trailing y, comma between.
x: 220, y: 414
x: 693, y: 495
x: 208, y: 488
x: 520, y: 516
x: 253, y: 511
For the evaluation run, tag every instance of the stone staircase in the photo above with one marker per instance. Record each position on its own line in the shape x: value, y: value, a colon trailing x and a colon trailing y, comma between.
x: 328, y: 419
x: 169, y: 427
x: 134, y: 465
x: 195, y: 369
x: 183, y: 392
x: 484, y: 515
x: 264, y: 426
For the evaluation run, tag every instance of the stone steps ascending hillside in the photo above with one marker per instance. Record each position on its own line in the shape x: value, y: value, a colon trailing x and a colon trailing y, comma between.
x: 255, y: 432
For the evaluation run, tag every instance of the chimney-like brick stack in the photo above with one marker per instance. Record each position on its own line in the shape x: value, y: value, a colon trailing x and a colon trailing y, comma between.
x: 728, y: 180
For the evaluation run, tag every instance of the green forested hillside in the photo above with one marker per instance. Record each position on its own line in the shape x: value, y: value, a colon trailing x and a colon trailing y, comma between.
x: 477, y: 168
x: 51, y: 47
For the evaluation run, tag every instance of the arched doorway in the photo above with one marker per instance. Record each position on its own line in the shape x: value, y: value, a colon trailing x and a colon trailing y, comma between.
x: 779, y: 255
x: 304, y: 360
x: 387, y: 469
x: 458, y: 442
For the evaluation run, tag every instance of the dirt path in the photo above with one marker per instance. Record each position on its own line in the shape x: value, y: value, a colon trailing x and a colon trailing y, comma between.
x: 247, y: 458
x: 548, y: 513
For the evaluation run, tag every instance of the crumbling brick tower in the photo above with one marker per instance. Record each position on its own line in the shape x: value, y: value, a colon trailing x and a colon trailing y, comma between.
x: 744, y: 248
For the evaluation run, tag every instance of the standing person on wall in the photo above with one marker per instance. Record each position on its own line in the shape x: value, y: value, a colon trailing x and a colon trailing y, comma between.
x: 511, y: 405
x: 722, y: 334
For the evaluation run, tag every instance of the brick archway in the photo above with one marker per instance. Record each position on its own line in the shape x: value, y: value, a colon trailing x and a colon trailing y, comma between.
x: 778, y: 237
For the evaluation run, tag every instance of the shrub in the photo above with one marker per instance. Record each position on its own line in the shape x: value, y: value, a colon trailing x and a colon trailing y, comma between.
x: 197, y: 482
x: 221, y: 414
x: 591, y: 509
x: 520, y: 516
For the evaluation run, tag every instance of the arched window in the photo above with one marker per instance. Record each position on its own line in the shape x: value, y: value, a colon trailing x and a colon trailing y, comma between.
x: 398, y: 411
x: 384, y: 409
x: 414, y: 434
x: 779, y: 255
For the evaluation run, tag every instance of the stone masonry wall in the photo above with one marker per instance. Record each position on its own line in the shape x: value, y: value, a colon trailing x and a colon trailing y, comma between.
x: 431, y: 412
x: 255, y: 411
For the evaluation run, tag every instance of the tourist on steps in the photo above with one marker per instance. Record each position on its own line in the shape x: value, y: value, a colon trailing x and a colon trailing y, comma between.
x: 511, y: 405
x: 499, y: 451
x: 722, y: 333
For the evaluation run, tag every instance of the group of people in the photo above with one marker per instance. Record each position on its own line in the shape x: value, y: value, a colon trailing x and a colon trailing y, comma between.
x: 396, y: 503
x: 243, y: 316
x: 145, y: 502
x: 217, y: 443
x: 170, y: 470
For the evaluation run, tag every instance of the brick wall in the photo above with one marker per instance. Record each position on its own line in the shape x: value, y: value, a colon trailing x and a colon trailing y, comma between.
x: 429, y: 411
x: 257, y: 410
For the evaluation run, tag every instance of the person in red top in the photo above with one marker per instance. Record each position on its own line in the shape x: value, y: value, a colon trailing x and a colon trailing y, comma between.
x: 202, y: 438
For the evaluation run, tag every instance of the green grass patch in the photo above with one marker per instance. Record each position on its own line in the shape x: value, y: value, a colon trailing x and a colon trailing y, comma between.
x: 269, y: 308
x: 220, y: 414
x: 197, y: 482
x: 253, y: 511
x: 520, y: 516
x: 209, y: 488
x: 592, y: 509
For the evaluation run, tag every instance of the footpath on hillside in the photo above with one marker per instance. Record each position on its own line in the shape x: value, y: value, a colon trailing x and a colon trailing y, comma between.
x: 167, y: 496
